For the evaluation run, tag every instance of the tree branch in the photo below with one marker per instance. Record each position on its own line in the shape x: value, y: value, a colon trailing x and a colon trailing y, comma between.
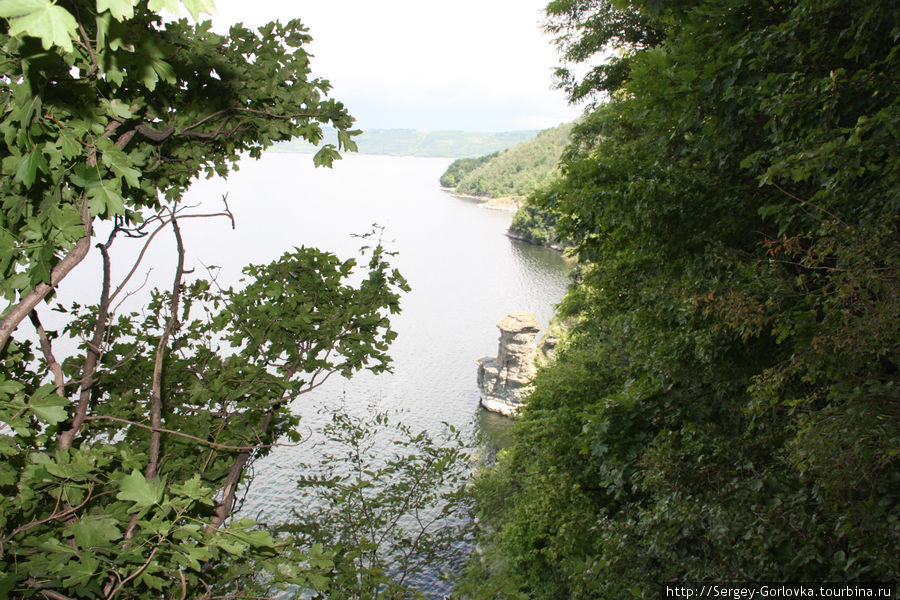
x: 153, y: 135
x: 165, y: 221
x: 47, y: 350
x: 225, y: 111
x: 94, y: 350
x: 86, y: 42
x: 30, y: 300
x: 808, y: 203
x: 189, y: 436
x: 229, y: 488
x: 57, y: 515
x: 156, y: 387
x: 139, y: 570
x: 49, y: 594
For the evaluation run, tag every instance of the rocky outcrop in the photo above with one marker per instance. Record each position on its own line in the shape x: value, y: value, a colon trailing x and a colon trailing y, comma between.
x: 504, y: 379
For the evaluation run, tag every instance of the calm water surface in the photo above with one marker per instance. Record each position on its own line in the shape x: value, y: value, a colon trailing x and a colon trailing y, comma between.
x: 464, y: 272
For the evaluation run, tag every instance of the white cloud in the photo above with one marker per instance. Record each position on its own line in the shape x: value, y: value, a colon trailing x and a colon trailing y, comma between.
x: 469, y: 64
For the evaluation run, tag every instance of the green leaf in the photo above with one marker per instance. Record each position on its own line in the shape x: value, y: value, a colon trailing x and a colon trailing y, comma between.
x: 345, y: 141
x: 119, y: 162
x: 103, y: 200
x: 170, y: 6
x: 41, y: 19
x: 151, y: 581
x: 50, y: 414
x: 120, y: 9
x: 136, y: 488
x: 80, y: 572
x: 94, y: 531
x: 195, y: 7
x: 231, y: 546
x: 27, y: 171
x: 193, y: 489
x: 49, y: 407
x: 117, y: 108
x: 258, y: 538
x: 149, y: 74
x: 10, y: 387
x: 17, y: 8
x: 326, y: 156
x: 7, y: 583
x: 163, y: 69
x: 8, y: 475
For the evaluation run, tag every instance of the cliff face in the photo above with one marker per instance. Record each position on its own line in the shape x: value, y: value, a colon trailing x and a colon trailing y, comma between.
x: 503, y: 379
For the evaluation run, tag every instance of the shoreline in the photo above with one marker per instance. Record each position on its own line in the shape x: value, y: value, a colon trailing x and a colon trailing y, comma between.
x: 506, y: 203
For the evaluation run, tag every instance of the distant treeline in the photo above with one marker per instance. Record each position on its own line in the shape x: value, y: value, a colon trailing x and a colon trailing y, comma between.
x: 412, y: 142
x: 517, y: 171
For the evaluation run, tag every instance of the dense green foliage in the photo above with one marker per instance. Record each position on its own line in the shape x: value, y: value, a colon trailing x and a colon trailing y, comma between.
x: 726, y: 406
x: 413, y: 142
x: 122, y: 461
x: 535, y: 225
x: 461, y: 167
x: 514, y: 172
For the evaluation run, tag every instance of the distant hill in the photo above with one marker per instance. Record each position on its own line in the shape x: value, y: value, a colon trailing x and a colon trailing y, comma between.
x: 515, y: 172
x: 412, y: 142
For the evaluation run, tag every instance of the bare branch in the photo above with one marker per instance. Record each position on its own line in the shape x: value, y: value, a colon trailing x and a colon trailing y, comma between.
x: 49, y: 594
x: 94, y: 350
x: 86, y: 42
x: 229, y: 488
x: 214, y: 134
x: 137, y: 261
x: 47, y: 350
x: 115, y: 310
x: 163, y: 222
x: 123, y: 139
x: 156, y: 387
x: 226, y: 111
x: 183, y: 584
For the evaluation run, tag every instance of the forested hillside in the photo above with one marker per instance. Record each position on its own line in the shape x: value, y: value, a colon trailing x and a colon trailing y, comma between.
x: 510, y: 173
x: 727, y: 405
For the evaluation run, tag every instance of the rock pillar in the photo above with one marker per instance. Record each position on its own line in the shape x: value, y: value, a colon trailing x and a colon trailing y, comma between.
x: 504, y: 379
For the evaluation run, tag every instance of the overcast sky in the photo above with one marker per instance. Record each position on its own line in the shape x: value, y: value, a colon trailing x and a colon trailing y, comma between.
x: 480, y: 65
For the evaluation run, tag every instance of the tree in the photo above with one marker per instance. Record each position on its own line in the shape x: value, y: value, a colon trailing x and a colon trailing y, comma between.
x: 726, y: 406
x: 109, y: 113
x: 388, y: 502
x: 121, y: 464
x: 587, y: 28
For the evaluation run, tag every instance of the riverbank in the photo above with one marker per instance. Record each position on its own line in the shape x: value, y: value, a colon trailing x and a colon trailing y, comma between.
x: 521, y: 237
x: 510, y: 203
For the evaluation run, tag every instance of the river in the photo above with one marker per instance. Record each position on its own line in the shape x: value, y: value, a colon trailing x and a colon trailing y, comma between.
x: 464, y: 272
